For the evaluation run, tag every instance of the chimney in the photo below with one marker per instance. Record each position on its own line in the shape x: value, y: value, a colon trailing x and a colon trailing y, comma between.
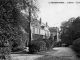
x: 40, y: 21
x: 46, y: 24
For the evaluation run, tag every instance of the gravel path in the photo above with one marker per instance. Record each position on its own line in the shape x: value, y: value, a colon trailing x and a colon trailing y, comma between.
x: 48, y: 57
x: 60, y: 53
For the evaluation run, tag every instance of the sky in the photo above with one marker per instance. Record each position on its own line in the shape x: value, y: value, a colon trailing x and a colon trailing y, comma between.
x: 55, y: 13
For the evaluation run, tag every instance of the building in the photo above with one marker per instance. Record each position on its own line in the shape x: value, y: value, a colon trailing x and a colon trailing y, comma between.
x: 54, y: 31
x: 39, y: 29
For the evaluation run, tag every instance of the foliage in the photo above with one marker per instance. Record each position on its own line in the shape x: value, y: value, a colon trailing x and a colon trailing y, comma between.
x: 9, y: 26
x: 26, y: 5
x: 41, y: 44
x: 11, y: 21
x: 70, y: 30
x: 76, y: 28
x: 58, y: 44
x: 66, y: 33
x: 49, y: 43
x: 76, y: 45
x: 37, y: 46
x: 53, y: 29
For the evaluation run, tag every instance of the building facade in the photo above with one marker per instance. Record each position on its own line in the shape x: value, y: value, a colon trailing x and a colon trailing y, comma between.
x: 39, y: 30
x: 54, y: 31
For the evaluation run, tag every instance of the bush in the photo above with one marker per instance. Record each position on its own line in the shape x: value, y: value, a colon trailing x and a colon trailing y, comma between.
x: 49, y: 43
x: 46, y: 41
x: 76, y: 45
x: 41, y: 44
x: 15, y: 47
x: 5, y: 50
x: 20, y: 44
x: 37, y: 46
x: 56, y: 44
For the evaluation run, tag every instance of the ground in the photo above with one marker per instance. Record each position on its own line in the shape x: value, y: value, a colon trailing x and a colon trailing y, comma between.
x: 58, y: 52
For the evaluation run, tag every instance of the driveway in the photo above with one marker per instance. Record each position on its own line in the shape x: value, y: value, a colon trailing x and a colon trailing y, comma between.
x: 59, y: 52
x: 63, y: 52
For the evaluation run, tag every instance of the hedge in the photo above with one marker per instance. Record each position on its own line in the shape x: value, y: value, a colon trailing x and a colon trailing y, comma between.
x: 41, y: 45
x: 37, y: 46
x: 49, y: 43
x: 76, y: 45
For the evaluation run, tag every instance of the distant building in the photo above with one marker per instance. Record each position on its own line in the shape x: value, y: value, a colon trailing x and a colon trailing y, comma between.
x: 39, y: 29
x: 55, y: 32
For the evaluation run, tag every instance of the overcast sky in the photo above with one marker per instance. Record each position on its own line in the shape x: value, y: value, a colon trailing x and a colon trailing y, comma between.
x: 55, y: 13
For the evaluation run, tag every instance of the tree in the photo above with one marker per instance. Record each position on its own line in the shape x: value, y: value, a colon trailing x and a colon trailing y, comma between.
x: 67, y: 31
x: 9, y: 26
x: 76, y: 28
x: 12, y: 21
x: 32, y: 9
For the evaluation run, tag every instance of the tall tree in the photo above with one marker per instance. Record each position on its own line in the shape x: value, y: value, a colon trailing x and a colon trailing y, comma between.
x: 13, y: 18
x: 76, y: 28
x: 67, y: 31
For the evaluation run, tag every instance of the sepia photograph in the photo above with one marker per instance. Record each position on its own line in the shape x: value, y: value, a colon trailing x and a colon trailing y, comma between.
x: 39, y: 30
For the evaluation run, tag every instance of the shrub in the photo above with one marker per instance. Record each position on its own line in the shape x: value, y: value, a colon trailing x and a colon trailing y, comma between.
x: 56, y: 44
x: 41, y: 44
x: 37, y: 46
x: 49, y: 43
x: 20, y: 44
x: 76, y: 45
x: 15, y: 46
x: 46, y: 41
